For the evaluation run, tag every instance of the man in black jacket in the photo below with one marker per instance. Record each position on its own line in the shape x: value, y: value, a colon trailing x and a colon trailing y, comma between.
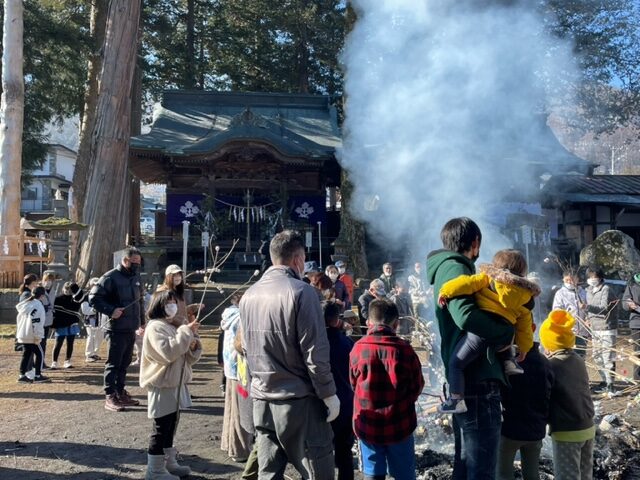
x: 119, y: 295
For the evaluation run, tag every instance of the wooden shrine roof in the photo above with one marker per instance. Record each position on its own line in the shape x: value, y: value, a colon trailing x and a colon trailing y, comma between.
x: 189, y: 123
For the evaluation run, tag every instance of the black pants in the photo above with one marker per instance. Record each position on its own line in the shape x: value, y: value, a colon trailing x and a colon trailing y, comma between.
x: 30, y: 351
x: 58, y: 347
x: 120, y: 352
x: 43, y: 342
x: 164, y: 428
x: 343, y: 443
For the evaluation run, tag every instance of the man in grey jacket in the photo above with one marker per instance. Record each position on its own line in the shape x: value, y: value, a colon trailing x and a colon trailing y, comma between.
x: 119, y: 295
x: 284, y: 336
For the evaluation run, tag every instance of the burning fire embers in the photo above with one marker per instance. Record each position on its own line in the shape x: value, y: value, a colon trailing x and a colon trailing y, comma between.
x: 617, y: 449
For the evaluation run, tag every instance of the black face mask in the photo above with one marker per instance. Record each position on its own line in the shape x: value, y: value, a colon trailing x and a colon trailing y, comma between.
x: 134, y: 268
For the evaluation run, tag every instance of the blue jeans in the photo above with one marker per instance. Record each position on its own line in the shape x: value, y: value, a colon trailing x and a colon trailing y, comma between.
x: 477, y: 433
x: 468, y: 349
x: 399, y: 457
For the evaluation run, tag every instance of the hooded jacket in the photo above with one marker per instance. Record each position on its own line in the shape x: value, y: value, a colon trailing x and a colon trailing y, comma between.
x: 119, y: 288
x: 30, y: 321
x: 463, y: 315
x: 602, y: 308
x: 230, y: 323
x: 571, y: 407
x: 284, y: 335
x: 501, y: 292
x: 66, y: 310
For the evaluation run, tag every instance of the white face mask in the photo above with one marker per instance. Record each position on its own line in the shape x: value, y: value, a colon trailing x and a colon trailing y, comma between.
x: 171, y: 309
x: 177, y: 280
x: 342, y: 270
x: 569, y: 286
x: 333, y: 277
x: 593, y: 282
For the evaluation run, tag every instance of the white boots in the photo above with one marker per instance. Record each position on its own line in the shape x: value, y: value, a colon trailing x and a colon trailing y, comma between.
x: 156, y: 469
x: 172, y: 464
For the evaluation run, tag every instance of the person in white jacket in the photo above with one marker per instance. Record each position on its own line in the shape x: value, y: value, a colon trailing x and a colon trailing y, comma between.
x: 168, y: 352
x: 95, y: 332
x: 236, y: 441
x: 29, y: 332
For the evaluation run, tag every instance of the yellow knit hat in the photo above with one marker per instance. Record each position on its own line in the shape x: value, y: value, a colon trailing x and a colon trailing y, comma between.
x: 556, y: 332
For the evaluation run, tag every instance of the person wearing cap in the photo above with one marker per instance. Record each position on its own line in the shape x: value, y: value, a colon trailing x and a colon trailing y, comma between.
x: 174, y: 281
x: 345, y: 278
x: 119, y: 294
x: 571, y: 411
x: 287, y: 352
x: 376, y: 291
x: 631, y: 303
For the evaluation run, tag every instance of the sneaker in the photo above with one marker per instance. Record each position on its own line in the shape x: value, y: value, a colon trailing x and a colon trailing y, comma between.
x: 135, y: 364
x: 41, y: 379
x: 453, y: 405
x: 511, y: 367
x: 67, y: 364
x: 54, y: 366
x: 599, y: 388
x: 95, y: 357
x: 24, y: 379
x: 90, y: 360
x: 112, y: 403
x: 31, y: 374
x: 126, y: 400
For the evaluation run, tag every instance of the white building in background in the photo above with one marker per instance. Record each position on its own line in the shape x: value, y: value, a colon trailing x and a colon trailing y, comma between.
x: 56, y: 174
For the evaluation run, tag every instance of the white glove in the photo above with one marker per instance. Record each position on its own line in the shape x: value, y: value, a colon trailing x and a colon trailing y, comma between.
x: 333, y: 406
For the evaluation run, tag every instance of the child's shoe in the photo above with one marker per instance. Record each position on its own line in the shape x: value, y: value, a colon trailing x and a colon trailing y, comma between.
x: 41, y: 379
x: 453, y: 405
x: 24, y: 379
x: 53, y: 366
x: 67, y: 364
x: 511, y: 367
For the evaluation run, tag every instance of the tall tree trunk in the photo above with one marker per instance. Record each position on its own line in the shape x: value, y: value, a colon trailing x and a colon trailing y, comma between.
x: 190, y: 73
x: 136, y: 129
x: 106, y: 205
x: 11, y: 123
x: 98, y: 25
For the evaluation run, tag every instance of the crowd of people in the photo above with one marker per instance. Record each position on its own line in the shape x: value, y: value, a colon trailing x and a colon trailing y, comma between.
x: 300, y: 390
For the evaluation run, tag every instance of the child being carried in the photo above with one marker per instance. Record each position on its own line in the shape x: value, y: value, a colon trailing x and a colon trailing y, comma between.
x: 500, y: 288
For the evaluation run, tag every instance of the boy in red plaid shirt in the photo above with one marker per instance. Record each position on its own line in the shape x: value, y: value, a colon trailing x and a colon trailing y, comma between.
x: 386, y: 377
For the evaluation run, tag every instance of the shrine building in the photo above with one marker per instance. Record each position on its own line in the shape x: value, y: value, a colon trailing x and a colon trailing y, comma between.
x: 242, y: 166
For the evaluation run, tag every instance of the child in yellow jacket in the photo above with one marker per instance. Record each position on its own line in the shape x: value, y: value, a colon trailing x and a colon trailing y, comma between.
x: 500, y: 288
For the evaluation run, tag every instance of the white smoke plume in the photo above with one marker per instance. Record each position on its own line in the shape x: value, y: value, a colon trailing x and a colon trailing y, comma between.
x: 443, y: 107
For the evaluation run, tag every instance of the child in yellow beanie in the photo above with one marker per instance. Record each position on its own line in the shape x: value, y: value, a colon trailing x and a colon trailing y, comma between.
x: 571, y: 410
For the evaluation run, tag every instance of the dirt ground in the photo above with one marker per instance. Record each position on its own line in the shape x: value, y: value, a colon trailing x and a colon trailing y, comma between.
x: 61, y: 430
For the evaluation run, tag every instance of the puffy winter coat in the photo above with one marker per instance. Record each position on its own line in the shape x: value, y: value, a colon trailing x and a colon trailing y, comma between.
x: 499, y: 291
x: 119, y: 288
x: 632, y: 292
x: 165, y: 351
x: 569, y: 300
x: 230, y: 323
x: 30, y: 321
x: 601, y: 308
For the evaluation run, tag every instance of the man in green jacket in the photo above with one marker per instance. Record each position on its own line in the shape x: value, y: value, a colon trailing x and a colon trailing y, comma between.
x: 476, y: 431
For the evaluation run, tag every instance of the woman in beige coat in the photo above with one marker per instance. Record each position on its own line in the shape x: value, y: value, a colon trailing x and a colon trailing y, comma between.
x: 168, y: 352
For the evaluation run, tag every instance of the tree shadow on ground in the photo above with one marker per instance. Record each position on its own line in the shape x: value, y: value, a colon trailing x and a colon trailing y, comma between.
x: 97, y: 457
x: 31, y: 395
